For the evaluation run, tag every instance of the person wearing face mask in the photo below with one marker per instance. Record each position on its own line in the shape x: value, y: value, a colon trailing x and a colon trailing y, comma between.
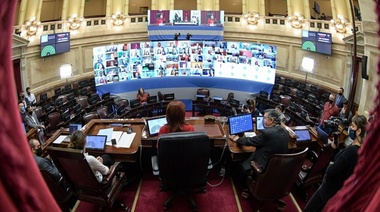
x: 340, y: 99
x: 330, y: 109
x: 43, y: 163
x: 30, y: 96
x: 342, y: 167
x: 31, y: 121
x: 22, y: 110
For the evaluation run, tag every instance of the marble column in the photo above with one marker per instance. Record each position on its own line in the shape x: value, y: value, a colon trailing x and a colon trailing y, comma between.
x: 208, y: 5
x: 30, y: 9
x: 341, y: 9
x: 117, y: 6
x: 253, y: 6
x: 162, y: 4
x: 296, y: 7
x: 72, y: 8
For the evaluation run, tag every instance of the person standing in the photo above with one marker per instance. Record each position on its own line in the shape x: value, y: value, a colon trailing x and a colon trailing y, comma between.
x: 330, y: 109
x: 342, y: 168
x: 340, y: 99
x: 30, y: 96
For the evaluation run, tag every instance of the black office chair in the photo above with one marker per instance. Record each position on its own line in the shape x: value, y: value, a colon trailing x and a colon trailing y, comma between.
x: 183, y: 160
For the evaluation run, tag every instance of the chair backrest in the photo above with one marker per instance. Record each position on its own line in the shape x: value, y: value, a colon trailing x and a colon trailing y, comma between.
x: 83, y: 183
x: 123, y: 102
x: 317, y: 170
x: 160, y: 96
x: 203, y: 91
x: 38, y: 110
x: 103, y: 112
x: 183, y: 159
x: 54, y: 120
x: 285, y: 100
x: 83, y: 101
x: 279, y: 177
x: 60, y: 193
x: 89, y: 116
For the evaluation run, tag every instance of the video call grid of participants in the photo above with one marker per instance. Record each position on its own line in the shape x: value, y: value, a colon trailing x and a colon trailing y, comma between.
x: 138, y: 60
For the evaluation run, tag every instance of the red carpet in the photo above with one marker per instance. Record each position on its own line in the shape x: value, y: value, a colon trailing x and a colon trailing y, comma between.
x: 219, y: 198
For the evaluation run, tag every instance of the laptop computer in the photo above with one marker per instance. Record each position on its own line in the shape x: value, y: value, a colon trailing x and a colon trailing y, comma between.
x: 322, y: 136
x: 96, y: 142
x: 303, y: 135
x: 74, y: 127
x: 260, y: 123
x: 154, y: 125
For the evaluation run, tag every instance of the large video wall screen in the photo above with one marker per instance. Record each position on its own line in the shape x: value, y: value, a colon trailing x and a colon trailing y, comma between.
x: 138, y: 60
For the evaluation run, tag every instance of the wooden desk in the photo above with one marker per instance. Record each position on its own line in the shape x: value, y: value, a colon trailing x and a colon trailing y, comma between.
x: 239, y: 153
x: 118, y: 154
x: 146, y: 109
x: 214, y: 131
x: 210, y: 106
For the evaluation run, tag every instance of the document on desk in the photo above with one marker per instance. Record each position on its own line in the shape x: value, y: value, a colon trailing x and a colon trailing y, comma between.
x: 108, y: 132
x: 249, y: 134
x: 126, y: 140
x: 59, y: 139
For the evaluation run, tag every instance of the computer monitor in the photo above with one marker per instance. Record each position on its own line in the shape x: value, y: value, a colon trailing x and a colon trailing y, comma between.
x: 154, y: 125
x: 322, y: 136
x: 96, y: 142
x: 70, y: 96
x: 83, y: 92
x: 77, y: 108
x: 169, y: 96
x: 152, y: 99
x: 43, y: 97
x: 121, y: 110
x: 92, y: 100
x: 134, y: 103
x: 58, y: 91
x: 67, y: 88
x: 217, y: 98
x: 65, y: 116
x: 303, y: 135
x: 74, y: 127
x: 240, y: 124
x: 260, y: 123
x: 200, y: 96
x: 59, y: 102
x: 106, y: 95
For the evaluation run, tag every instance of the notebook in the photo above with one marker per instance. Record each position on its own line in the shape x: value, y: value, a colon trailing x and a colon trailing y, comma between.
x: 96, y: 142
x: 154, y: 125
x: 303, y: 135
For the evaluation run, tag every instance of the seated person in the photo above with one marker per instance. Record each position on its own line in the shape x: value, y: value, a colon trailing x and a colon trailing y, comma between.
x: 142, y: 95
x: 175, y: 117
x: 43, y: 163
x: 250, y: 107
x: 272, y: 140
x: 282, y: 116
x: 342, y: 114
x: 99, y: 165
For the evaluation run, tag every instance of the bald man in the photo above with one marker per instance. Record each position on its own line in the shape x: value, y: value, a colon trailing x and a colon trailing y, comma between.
x: 43, y: 163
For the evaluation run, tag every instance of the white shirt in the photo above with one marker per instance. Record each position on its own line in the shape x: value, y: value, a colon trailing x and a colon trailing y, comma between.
x: 31, y: 98
x: 97, y: 167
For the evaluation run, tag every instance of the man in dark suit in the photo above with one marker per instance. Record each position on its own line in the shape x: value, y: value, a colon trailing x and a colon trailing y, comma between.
x: 340, y: 98
x: 43, y: 163
x: 272, y: 140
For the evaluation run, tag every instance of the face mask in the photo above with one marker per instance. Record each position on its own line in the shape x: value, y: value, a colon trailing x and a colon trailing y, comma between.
x: 31, y: 112
x: 28, y: 93
x: 340, y: 94
x: 351, y: 133
x: 331, y: 101
x: 22, y: 109
x: 39, y: 151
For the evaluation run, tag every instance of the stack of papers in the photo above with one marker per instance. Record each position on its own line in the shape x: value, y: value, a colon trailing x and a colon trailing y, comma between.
x: 123, y: 139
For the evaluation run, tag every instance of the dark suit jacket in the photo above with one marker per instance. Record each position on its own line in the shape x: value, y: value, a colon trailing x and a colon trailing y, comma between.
x: 271, y: 140
x: 339, y: 101
x: 46, y: 164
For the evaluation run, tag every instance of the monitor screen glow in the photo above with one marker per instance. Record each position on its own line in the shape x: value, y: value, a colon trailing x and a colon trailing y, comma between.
x: 240, y: 124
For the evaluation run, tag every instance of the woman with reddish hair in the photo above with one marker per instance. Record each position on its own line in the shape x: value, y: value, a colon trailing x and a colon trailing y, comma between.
x: 175, y: 117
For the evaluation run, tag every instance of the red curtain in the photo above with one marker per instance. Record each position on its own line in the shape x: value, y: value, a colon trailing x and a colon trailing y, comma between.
x: 22, y: 187
x: 361, y: 192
